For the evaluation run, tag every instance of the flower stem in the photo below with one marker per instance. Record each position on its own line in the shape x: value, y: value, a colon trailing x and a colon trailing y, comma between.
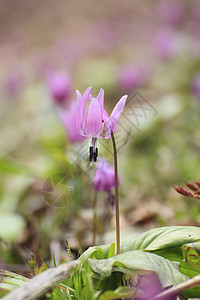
x: 94, y: 219
x: 116, y: 195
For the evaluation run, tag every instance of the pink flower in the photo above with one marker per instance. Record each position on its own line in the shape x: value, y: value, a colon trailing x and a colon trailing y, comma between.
x: 97, y: 119
x: 96, y: 123
x: 165, y: 45
x: 13, y: 84
x: 172, y: 11
x: 59, y: 87
x: 67, y: 117
x: 132, y: 77
x: 104, y: 180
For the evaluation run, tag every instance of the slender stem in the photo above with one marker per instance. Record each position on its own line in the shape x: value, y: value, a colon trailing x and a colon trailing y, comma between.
x: 116, y: 195
x: 94, y: 219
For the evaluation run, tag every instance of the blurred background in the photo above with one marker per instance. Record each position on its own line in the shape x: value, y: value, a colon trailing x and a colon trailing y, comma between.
x: 149, y: 51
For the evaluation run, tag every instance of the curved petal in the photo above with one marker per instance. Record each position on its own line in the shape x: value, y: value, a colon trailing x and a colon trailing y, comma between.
x: 78, y: 114
x: 93, y: 124
x: 100, y: 97
x: 80, y: 110
x: 116, y: 113
x: 67, y: 118
x: 107, y: 124
x: 79, y: 96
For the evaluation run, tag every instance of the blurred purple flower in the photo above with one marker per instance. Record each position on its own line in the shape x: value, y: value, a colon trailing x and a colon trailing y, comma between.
x: 165, y: 45
x: 104, y: 179
x: 59, y: 87
x: 149, y: 285
x: 68, y: 49
x: 196, y: 85
x: 102, y: 37
x: 67, y: 117
x: 171, y: 11
x: 132, y: 77
x: 13, y: 84
x: 195, y: 21
x: 196, y: 12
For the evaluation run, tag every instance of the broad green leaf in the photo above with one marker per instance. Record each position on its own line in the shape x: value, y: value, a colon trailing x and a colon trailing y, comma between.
x: 191, y: 254
x: 98, y: 252
x: 163, y: 238
x: 140, y: 262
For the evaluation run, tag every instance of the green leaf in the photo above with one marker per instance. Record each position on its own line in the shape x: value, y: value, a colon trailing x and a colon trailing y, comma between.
x: 97, y: 252
x: 119, y: 293
x: 111, y: 251
x: 9, y: 281
x: 163, y: 238
x: 140, y: 262
x: 191, y: 254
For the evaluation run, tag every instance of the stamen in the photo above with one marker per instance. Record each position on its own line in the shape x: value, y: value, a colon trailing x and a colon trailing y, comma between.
x: 93, y: 152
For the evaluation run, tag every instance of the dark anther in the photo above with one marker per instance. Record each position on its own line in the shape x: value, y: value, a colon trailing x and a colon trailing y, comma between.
x: 93, y: 154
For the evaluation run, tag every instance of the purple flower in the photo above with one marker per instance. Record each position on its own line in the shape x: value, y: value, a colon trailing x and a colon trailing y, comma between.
x: 67, y: 117
x: 104, y: 179
x: 172, y: 11
x: 196, y: 85
x: 102, y: 38
x: 13, y: 84
x: 60, y: 87
x: 96, y: 123
x: 196, y: 12
x: 165, y: 44
x: 132, y: 77
x: 97, y: 119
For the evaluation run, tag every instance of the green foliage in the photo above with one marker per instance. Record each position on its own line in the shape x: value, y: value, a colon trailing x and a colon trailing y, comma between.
x: 163, y: 238
x: 34, y: 266
x: 140, y: 262
x: 157, y: 251
x: 9, y: 281
x: 119, y: 293
x: 191, y: 254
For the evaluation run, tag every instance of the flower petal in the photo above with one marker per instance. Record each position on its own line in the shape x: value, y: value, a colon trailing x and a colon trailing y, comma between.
x: 67, y: 118
x: 79, y: 96
x: 93, y: 124
x: 80, y: 110
x: 100, y: 97
x: 116, y: 113
x: 107, y: 132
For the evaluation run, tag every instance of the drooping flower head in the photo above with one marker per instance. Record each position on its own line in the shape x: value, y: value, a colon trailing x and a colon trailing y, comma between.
x: 67, y: 117
x: 96, y: 123
x: 104, y: 179
x: 59, y: 87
